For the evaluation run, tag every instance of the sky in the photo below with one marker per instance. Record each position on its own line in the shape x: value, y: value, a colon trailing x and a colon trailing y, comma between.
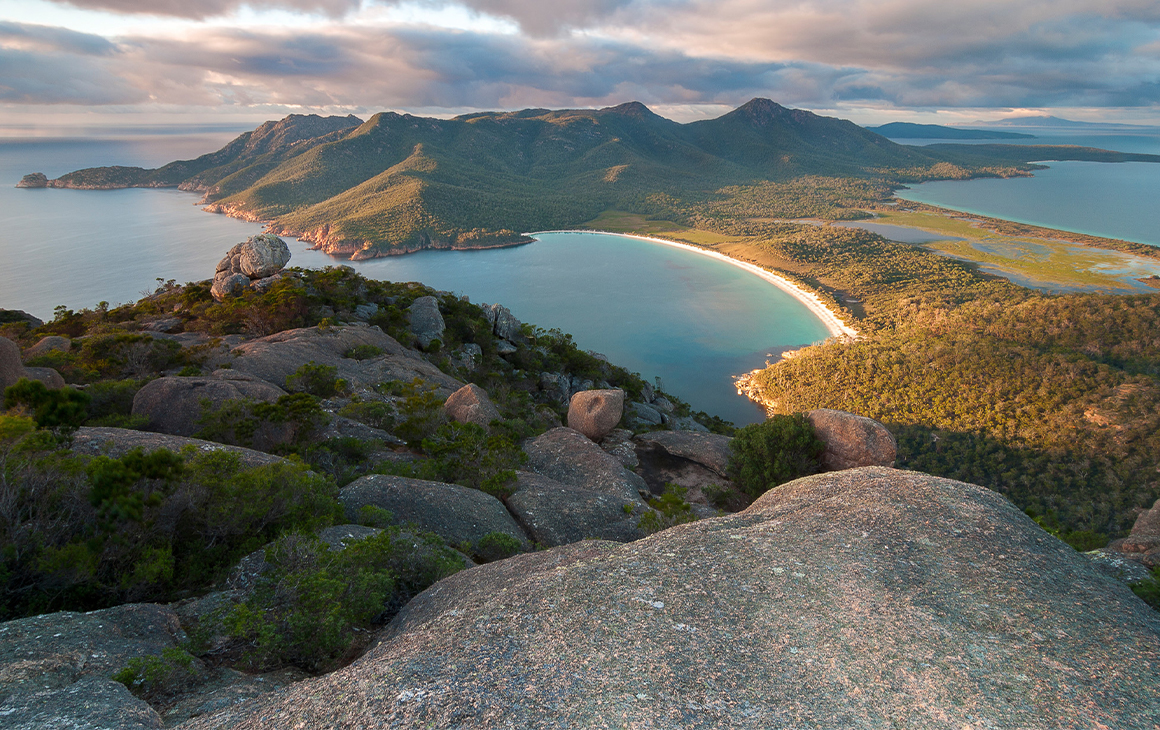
x: 126, y: 62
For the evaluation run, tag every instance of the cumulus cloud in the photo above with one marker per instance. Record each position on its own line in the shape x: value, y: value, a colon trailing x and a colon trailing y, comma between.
x: 813, y: 53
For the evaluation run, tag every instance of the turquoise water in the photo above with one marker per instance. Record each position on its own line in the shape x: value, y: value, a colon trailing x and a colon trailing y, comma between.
x: 1114, y: 200
x: 664, y: 312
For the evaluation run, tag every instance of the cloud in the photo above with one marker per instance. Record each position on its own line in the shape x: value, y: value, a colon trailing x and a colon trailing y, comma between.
x: 812, y: 53
x: 45, y: 65
x: 200, y: 9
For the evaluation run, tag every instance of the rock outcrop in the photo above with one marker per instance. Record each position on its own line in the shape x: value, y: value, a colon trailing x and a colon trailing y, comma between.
x: 554, y: 514
x: 457, y: 514
x: 258, y: 257
x: 503, y: 322
x: 851, y: 440
x: 12, y: 368
x: 595, y: 413
x: 426, y: 322
x: 68, y: 646
x: 277, y: 356
x: 1142, y: 545
x: 863, y: 598
x: 175, y: 405
x: 471, y: 404
x: 573, y: 460
x: 116, y: 442
x: 51, y: 343
x: 33, y: 180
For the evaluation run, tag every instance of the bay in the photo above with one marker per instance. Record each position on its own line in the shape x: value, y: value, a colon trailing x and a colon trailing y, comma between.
x: 667, y: 313
x: 1109, y: 199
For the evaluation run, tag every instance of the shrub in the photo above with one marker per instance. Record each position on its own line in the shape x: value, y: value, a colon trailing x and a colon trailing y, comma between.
x: 158, y: 677
x: 1149, y: 589
x: 363, y: 352
x: 669, y: 509
x: 373, y: 413
x: 83, y: 535
x: 496, y: 546
x: 317, y: 380
x: 464, y: 453
x: 239, y: 422
x: 773, y: 452
x: 313, y: 606
x: 420, y: 407
x: 62, y: 410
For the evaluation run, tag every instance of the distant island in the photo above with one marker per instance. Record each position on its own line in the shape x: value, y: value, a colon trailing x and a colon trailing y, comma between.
x: 910, y: 130
x: 397, y: 183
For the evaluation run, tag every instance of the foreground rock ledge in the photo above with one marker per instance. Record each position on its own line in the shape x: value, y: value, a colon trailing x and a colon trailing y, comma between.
x: 868, y: 598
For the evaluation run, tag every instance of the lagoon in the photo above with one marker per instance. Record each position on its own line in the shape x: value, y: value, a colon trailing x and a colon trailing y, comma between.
x: 668, y: 313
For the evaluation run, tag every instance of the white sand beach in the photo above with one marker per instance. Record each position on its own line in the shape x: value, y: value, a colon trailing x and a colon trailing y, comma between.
x: 811, y: 301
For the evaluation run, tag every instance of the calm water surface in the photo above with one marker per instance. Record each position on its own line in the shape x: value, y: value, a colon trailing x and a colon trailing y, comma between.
x: 664, y: 312
x: 1114, y: 200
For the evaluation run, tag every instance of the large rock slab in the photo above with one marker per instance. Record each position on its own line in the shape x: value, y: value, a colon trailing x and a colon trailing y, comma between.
x: 573, y: 460
x: 471, y: 404
x: 54, y: 650
x: 174, y: 405
x: 426, y: 322
x: 710, y: 450
x: 45, y: 345
x: 90, y: 704
x: 1142, y: 545
x: 277, y: 356
x: 595, y: 413
x: 554, y: 514
x: 116, y: 442
x: 457, y: 514
x: 869, y: 598
x: 11, y: 366
x: 852, y: 440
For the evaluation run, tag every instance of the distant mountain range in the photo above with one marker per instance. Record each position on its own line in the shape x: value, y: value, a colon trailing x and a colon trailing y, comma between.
x: 910, y: 130
x: 1043, y: 121
x: 398, y: 183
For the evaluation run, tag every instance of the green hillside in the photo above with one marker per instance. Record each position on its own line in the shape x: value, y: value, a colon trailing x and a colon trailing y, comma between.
x: 398, y: 183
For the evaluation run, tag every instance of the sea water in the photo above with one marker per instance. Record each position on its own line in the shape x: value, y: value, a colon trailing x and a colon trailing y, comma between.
x: 667, y: 313
x: 1109, y: 199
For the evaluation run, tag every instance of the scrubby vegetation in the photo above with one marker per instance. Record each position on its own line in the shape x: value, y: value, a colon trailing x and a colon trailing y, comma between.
x: 82, y: 533
x: 775, y: 451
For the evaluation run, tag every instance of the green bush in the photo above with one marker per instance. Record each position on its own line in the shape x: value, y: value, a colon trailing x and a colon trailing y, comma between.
x: 158, y: 677
x: 421, y: 410
x: 778, y: 450
x: 317, y: 380
x: 496, y: 546
x: 81, y: 534
x: 239, y: 422
x: 1149, y: 589
x: 464, y: 453
x: 373, y: 413
x: 363, y: 352
x: 314, y: 606
x: 668, y: 510
x: 62, y: 410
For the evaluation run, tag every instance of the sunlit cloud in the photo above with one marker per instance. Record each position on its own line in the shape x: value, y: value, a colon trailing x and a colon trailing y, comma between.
x: 691, y: 56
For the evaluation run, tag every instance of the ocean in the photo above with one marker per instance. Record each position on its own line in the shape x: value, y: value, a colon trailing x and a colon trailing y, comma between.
x: 1113, y: 200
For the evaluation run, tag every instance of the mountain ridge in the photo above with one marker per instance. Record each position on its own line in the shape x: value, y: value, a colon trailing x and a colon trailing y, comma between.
x: 397, y: 183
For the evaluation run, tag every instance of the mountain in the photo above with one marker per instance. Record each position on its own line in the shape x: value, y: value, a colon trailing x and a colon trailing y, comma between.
x: 397, y: 183
x: 909, y: 130
x: 1046, y: 121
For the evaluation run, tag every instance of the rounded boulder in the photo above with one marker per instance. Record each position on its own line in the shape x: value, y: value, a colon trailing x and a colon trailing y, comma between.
x: 595, y: 413
x: 263, y: 255
x: 851, y: 440
x: 470, y: 404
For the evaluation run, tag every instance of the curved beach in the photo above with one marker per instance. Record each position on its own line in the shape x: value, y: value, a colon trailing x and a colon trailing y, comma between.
x: 809, y: 300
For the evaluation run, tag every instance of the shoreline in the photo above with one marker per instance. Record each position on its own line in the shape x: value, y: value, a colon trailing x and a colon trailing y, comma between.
x: 830, y: 319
